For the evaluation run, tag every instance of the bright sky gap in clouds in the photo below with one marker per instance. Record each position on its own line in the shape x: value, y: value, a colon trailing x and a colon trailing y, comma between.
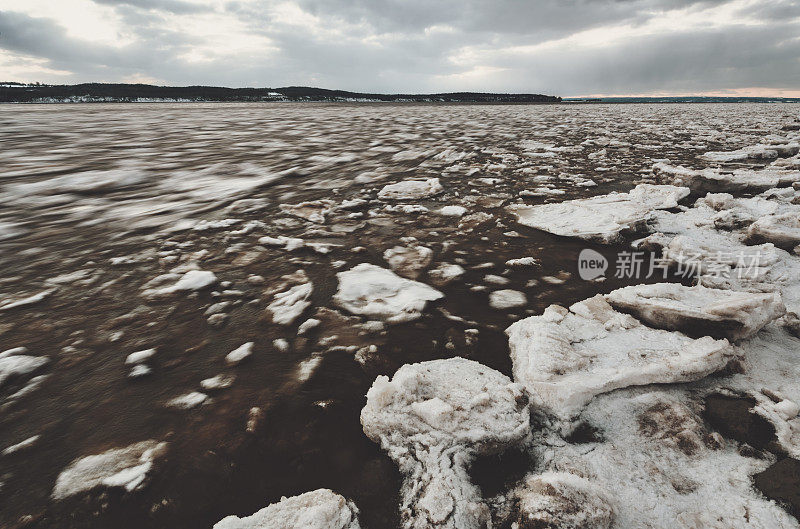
x: 560, y: 47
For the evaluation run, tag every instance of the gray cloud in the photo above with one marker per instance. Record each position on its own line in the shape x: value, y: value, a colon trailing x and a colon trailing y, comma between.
x: 170, y: 6
x: 423, y: 46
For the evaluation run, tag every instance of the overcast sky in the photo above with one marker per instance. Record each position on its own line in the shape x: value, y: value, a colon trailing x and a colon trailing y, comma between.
x: 562, y: 47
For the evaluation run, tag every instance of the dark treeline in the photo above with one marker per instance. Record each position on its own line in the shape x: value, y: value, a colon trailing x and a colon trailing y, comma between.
x: 18, y: 93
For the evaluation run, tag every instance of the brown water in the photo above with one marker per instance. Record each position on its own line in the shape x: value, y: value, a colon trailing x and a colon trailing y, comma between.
x: 82, y: 184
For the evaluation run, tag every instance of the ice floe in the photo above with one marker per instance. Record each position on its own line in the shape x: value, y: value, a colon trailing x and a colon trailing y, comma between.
x: 445, y: 273
x: 240, y: 354
x: 291, y: 298
x: 411, y: 189
x: 126, y: 468
x: 603, y: 218
x: 139, y: 357
x: 190, y: 281
x: 507, y: 299
x: 318, y: 509
x: 781, y: 230
x: 698, y: 310
x: 754, y: 152
x: 16, y: 365
x: 408, y: 261
x: 314, y: 211
x: 566, y: 357
x: 13, y: 303
x: 187, y: 401
x: 376, y: 292
x: 716, y: 181
x: 433, y: 418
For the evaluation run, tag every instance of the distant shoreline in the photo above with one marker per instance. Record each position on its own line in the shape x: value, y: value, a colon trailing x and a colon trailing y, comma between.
x: 19, y: 93
x: 141, y: 93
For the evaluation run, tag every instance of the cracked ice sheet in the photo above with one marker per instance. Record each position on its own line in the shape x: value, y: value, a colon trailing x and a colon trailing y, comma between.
x: 661, y: 468
x: 771, y: 364
x: 602, y: 218
x: 564, y: 358
x: 690, y: 242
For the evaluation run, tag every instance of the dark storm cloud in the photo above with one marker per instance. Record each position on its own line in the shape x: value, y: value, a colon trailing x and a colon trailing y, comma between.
x: 774, y: 10
x: 501, y: 16
x: 424, y: 46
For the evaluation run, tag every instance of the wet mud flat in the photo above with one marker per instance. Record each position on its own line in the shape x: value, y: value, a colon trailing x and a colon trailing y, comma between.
x: 115, y: 215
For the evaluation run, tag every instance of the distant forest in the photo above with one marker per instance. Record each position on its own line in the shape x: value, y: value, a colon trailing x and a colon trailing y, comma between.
x: 101, y: 92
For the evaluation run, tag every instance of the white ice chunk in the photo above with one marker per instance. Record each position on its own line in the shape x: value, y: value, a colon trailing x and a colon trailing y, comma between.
x: 188, y: 401
x: 781, y: 230
x: 318, y: 509
x: 408, y: 261
x: 453, y: 211
x: 239, y: 354
x: 290, y: 304
x: 411, y: 189
x: 507, y: 299
x: 20, y: 365
x: 121, y: 467
x: 190, y: 281
x: 140, y: 356
x: 376, y: 292
x: 14, y: 303
x: 601, y: 218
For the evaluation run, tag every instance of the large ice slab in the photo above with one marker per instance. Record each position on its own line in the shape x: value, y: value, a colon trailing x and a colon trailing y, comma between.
x: 376, y: 292
x: 317, y: 509
x: 566, y: 357
x: 433, y: 418
x: 603, y: 218
x: 699, y: 310
x: 716, y: 181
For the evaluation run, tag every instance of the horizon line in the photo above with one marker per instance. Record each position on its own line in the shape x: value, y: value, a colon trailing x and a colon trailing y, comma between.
x: 750, y: 92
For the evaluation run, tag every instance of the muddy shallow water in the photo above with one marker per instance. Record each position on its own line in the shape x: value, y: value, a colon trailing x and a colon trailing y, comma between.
x: 96, y: 200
